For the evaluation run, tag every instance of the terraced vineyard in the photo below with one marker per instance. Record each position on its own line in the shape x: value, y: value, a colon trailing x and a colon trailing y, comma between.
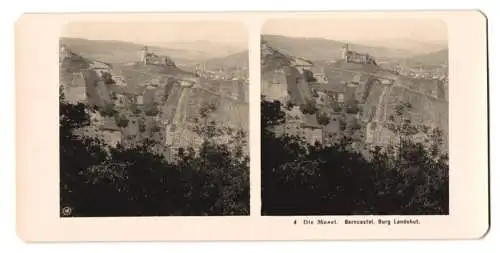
x: 170, y: 106
x: 426, y: 110
x: 233, y: 114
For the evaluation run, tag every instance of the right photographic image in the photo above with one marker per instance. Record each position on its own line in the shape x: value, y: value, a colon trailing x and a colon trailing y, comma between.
x: 354, y: 117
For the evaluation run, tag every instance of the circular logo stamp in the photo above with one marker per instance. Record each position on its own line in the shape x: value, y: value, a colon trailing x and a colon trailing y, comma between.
x: 66, y: 211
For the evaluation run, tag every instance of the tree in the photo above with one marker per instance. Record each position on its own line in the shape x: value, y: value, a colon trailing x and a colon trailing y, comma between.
x: 289, y: 105
x: 207, y: 109
x: 152, y: 110
x: 323, y: 119
x: 351, y: 106
x: 99, y: 181
x: 309, y: 76
x: 336, y: 107
x: 108, y: 78
x: 122, y: 121
x: 142, y: 125
x: 309, y: 107
x: 400, y: 124
x: 271, y: 114
x: 299, y: 179
x: 77, y: 153
x: 224, y: 180
x: 108, y: 110
x: 342, y: 123
x: 208, y: 128
x: 155, y: 128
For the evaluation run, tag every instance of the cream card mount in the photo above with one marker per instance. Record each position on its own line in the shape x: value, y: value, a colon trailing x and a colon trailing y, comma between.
x: 252, y: 126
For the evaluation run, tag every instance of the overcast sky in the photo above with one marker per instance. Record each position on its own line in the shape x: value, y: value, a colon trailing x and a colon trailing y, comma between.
x: 214, y: 31
x: 360, y: 29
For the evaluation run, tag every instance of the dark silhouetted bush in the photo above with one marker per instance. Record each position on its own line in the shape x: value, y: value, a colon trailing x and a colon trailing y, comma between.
x: 403, y: 179
x: 97, y: 180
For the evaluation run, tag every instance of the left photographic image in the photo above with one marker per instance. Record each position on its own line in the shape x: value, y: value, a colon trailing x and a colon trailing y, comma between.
x: 154, y: 119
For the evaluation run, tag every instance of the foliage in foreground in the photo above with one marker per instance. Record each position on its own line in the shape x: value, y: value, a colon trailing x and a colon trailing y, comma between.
x: 298, y: 179
x: 97, y: 180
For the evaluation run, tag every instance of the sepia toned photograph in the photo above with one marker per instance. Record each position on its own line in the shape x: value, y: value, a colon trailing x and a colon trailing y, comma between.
x: 153, y: 119
x: 156, y: 133
x: 354, y: 117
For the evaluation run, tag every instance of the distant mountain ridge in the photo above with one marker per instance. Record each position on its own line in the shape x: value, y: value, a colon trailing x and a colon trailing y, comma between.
x: 114, y: 51
x: 272, y: 58
x: 320, y: 49
x: 204, y: 49
x: 236, y: 60
x: 117, y: 51
x: 433, y: 59
x: 134, y: 75
x: 413, y: 46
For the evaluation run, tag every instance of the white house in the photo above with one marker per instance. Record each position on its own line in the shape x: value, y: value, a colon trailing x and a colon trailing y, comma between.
x: 139, y: 99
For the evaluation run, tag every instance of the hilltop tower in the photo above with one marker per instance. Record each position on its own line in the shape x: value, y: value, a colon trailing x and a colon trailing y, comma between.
x: 343, y: 51
x: 64, y: 52
x: 144, y: 55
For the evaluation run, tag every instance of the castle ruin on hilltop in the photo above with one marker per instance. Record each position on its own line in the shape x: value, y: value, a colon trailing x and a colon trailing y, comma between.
x: 64, y: 52
x: 350, y: 56
x: 150, y: 58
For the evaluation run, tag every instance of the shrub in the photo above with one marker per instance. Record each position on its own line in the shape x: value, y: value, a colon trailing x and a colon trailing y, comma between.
x: 108, y: 110
x: 122, y: 121
x: 308, y: 108
x: 322, y: 118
